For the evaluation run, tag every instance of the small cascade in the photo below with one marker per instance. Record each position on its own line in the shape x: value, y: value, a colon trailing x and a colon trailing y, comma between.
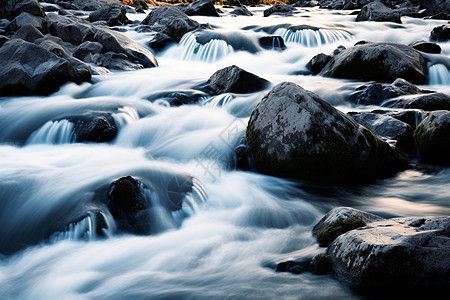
x: 438, y: 74
x: 53, y: 132
x: 312, y: 37
x: 96, y: 224
x: 209, y: 52
x: 124, y: 116
x: 218, y: 101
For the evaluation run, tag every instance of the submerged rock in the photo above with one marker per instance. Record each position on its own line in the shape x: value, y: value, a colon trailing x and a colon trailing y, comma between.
x: 432, y: 138
x: 236, y: 80
x: 272, y: 42
x: 382, y: 62
x: 406, y: 253
x: 377, y: 11
x: 294, y: 133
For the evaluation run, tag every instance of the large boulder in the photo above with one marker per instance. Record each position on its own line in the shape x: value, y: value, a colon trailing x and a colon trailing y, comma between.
x: 171, y: 21
x: 233, y: 79
x: 278, y: 9
x: 382, y: 62
x: 27, y: 19
x: 432, y: 138
x: 440, y: 33
x: 69, y: 28
x: 294, y: 133
x: 201, y: 8
x: 427, y: 102
x: 338, y: 221
x: 28, y: 33
x: 400, y: 254
x: 9, y: 9
x: 114, y: 15
x: 377, y: 11
x: 437, y: 6
x: 26, y: 68
x: 116, y: 42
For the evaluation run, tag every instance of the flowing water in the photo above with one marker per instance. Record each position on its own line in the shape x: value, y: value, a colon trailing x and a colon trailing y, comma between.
x: 59, y: 242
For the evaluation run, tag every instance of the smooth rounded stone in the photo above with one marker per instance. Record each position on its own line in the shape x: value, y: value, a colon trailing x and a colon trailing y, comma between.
x: 114, y: 41
x: 114, y: 14
x: 432, y: 138
x: 338, y: 221
x: 9, y: 9
x: 241, y: 11
x: 377, y: 11
x: 294, y: 133
x: 382, y: 62
x: 233, y: 79
x: 86, y: 50
x: 318, y: 62
x: 28, y: 33
x: 440, y: 33
x: 175, y: 23
x: 94, y: 128
x: 400, y: 254
x: 69, y: 28
x: 160, y: 41
x: 374, y: 93
x: 27, y: 19
x: 387, y: 128
x: 426, y: 47
x: 427, y: 102
x: 272, y: 42
x: 278, y: 9
x: 27, y: 69
x: 201, y: 8
x: 128, y: 206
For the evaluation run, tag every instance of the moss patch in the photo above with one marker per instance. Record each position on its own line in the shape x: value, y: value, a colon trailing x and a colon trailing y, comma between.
x: 339, y: 227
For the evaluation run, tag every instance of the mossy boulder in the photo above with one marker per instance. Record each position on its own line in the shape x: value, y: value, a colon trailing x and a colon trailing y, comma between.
x: 405, y: 254
x: 294, y: 133
x: 432, y: 138
x: 340, y: 220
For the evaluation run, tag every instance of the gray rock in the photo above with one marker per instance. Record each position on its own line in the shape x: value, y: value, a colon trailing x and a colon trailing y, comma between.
x: 426, y: 47
x: 440, y: 33
x: 86, y: 50
x: 377, y: 11
x: 241, y: 11
x: 69, y: 28
x: 114, y: 41
x: 172, y: 21
x: 27, y: 19
x: 294, y: 133
x: 236, y: 80
x: 27, y: 69
x: 201, y: 8
x: 28, y: 33
x: 9, y: 9
x: 117, y: 61
x: 437, y: 6
x: 318, y: 62
x: 338, y: 221
x: 427, y: 102
x: 382, y: 62
x: 402, y: 254
x: 160, y: 41
x: 114, y: 14
x: 432, y: 138
x: 278, y: 9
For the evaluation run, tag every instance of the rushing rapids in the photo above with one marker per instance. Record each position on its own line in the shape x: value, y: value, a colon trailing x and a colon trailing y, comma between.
x: 58, y: 238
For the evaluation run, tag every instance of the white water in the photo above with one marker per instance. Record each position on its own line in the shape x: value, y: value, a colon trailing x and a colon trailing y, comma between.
x: 234, y: 227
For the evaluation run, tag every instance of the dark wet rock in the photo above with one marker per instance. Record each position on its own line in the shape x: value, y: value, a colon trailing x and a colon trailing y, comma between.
x: 171, y: 21
x: 402, y: 254
x: 278, y: 9
x: 94, y: 128
x: 9, y: 9
x: 382, y: 62
x: 160, y: 41
x: 306, y: 3
x: 427, y: 102
x: 294, y: 267
x: 114, y: 14
x: 3, y: 40
x: 30, y: 69
x: 437, y: 6
x: 377, y: 11
x: 294, y: 133
x: 321, y: 264
x: 116, y: 42
x: 85, y: 5
x: 387, y: 128
x: 432, y: 138
x: 69, y: 28
x: 412, y: 117
x: 236, y: 80
x: 440, y: 33
x: 241, y: 11
x: 26, y: 19
x: 374, y: 93
x: 28, y: 33
x: 339, y: 220
x: 117, y: 61
x: 272, y: 42
x: 426, y: 47
x: 178, y: 98
x: 201, y: 8
x: 128, y: 206
x: 318, y: 62
x: 87, y: 50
